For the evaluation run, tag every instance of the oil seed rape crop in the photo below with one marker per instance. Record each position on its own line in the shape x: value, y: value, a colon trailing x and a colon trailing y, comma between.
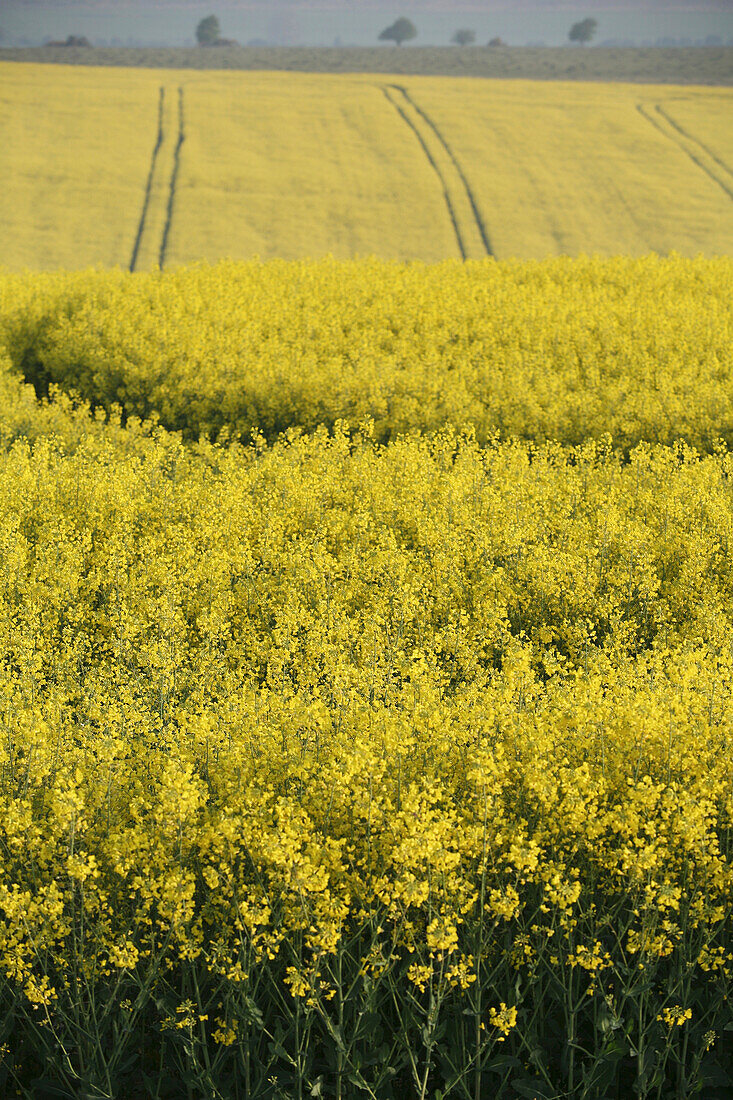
x: 370, y: 761
x: 564, y: 350
x: 293, y: 165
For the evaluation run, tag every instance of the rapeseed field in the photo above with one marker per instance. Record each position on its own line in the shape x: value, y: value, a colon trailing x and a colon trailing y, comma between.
x: 165, y: 167
x: 365, y: 680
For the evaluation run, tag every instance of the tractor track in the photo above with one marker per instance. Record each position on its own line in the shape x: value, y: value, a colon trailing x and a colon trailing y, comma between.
x: 691, y: 137
x: 173, y: 181
x: 457, y: 165
x: 387, y: 88
x: 149, y: 183
x: 690, y: 146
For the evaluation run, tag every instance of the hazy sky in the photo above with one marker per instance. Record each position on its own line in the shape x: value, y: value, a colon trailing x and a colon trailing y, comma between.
x: 358, y: 22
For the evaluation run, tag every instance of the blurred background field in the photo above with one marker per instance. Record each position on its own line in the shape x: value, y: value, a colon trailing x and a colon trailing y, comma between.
x: 101, y: 170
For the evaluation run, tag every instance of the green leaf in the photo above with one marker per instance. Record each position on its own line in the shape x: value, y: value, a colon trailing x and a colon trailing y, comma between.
x: 358, y: 1081
x: 533, y: 1089
x: 502, y: 1063
x: 714, y: 1076
x: 46, y: 1087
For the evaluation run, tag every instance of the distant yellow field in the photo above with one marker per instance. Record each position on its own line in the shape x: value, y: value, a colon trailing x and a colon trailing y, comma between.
x: 143, y: 167
x: 75, y: 155
x: 294, y: 165
x: 562, y: 169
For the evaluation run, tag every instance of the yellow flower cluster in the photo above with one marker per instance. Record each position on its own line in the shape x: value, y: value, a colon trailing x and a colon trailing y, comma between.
x: 675, y: 1016
x: 504, y: 1019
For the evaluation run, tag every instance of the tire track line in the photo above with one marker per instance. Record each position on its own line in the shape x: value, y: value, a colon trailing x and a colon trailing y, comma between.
x: 387, y: 89
x: 696, y: 140
x: 480, y: 225
x: 173, y: 180
x: 671, y: 130
x: 149, y: 183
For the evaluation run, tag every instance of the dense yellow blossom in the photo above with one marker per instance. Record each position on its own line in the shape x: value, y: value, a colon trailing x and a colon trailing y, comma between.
x: 320, y: 745
x: 564, y: 350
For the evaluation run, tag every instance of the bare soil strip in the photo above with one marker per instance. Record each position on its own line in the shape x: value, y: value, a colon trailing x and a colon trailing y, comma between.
x: 707, y: 161
x: 174, y: 179
x: 149, y: 183
x: 456, y: 163
x: 390, y: 93
x: 675, y: 65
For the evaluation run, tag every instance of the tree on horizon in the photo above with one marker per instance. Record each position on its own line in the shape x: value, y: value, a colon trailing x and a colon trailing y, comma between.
x: 402, y: 30
x: 207, y: 31
x: 583, y: 31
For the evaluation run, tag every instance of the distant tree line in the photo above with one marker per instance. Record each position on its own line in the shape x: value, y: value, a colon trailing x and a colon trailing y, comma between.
x: 72, y: 40
x: 403, y: 30
x: 208, y: 33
